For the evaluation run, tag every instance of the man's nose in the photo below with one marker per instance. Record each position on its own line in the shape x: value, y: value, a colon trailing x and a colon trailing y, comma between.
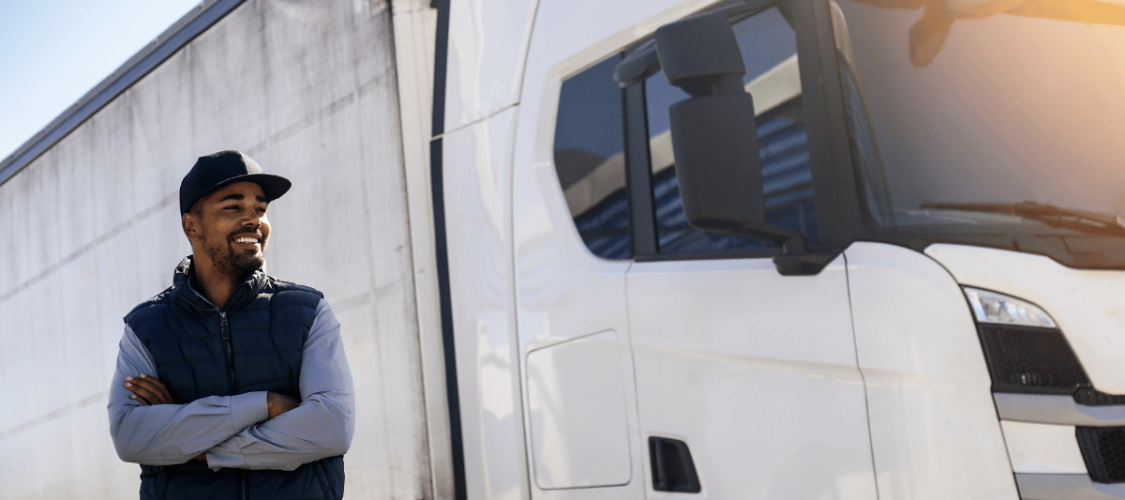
x: 253, y: 220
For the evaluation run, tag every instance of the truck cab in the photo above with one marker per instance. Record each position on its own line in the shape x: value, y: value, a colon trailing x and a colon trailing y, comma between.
x: 911, y: 289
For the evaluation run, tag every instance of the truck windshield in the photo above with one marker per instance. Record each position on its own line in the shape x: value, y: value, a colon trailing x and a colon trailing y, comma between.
x: 988, y: 117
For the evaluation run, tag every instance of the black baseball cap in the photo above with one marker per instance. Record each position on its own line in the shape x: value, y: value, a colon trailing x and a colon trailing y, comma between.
x: 225, y: 167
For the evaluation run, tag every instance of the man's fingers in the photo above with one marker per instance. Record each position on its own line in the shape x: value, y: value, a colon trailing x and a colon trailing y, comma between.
x: 141, y: 399
x: 158, y: 387
x: 141, y: 393
x: 145, y: 390
x: 149, y: 388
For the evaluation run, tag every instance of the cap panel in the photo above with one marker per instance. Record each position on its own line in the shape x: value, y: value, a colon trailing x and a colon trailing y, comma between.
x: 273, y: 186
x: 225, y: 167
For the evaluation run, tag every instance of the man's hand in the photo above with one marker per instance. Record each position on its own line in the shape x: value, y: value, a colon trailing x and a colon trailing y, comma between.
x: 279, y: 403
x: 148, y: 391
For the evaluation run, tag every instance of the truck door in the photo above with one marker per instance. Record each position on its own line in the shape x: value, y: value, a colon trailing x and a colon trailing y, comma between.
x: 747, y: 381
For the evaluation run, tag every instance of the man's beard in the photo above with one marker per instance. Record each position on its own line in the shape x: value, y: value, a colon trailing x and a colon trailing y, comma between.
x: 236, y: 266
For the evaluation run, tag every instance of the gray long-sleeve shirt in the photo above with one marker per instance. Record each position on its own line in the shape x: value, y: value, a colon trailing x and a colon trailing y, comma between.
x: 235, y: 431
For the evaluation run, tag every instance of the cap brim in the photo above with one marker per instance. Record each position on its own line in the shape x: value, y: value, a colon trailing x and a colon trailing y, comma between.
x: 273, y: 186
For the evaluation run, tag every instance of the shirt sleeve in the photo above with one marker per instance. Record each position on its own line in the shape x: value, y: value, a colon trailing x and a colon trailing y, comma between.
x: 320, y: 427
x: 171, y: 434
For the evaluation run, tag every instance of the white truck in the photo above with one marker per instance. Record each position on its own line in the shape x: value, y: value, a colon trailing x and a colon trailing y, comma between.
x: 790, y: 249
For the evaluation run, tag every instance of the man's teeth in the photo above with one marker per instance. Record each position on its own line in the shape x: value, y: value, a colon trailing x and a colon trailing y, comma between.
x: 246, y: 240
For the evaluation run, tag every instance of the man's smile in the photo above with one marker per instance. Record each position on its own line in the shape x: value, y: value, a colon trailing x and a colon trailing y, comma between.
x: 249, y: 239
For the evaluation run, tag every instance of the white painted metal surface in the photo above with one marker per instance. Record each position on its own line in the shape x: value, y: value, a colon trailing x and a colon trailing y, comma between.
x: 91, y: 228
x: 1088, y: 305
x: 1043, y: 448
x: 579, y: 424
x: 934, y: 430
x: 564, y: 292
x: 476, y: 167
x: 755, y: 369
x: 487, y: 50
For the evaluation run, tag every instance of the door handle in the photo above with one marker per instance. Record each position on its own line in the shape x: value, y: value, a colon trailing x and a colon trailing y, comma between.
x: 672, y: 467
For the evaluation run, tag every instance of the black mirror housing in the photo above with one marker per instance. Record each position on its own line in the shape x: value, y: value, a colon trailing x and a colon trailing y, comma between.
x: 714, y: 135
x: 715, y: 144
x: 700, y: 55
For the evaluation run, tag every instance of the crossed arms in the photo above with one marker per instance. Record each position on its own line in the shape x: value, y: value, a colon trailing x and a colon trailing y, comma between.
x: 255, y: 430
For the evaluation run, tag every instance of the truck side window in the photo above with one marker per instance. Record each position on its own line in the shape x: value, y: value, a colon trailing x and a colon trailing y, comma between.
x: 590, y: 159
x: 769, y: 51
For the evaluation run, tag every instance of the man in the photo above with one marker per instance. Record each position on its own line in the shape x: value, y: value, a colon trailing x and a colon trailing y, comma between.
x: 232, y: 383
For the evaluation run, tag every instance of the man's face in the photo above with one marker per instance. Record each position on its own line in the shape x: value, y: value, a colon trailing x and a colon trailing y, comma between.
x: 232, y: 228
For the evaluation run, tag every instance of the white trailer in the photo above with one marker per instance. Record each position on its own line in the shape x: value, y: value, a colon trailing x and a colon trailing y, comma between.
x: 855, y: 249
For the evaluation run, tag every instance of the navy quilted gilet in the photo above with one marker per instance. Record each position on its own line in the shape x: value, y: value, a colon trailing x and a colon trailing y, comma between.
x: 254, y: 344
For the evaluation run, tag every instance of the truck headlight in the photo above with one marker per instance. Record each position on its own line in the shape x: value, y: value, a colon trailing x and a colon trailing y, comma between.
x: 997, y: 308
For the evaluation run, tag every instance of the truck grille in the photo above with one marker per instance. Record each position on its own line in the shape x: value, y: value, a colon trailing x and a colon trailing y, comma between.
x: 1103, y: 450
x: 1026, y: 359
x: 1038, y: 360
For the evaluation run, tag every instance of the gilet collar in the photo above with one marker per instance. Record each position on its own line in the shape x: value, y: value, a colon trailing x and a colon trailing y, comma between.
x: 242, y: 294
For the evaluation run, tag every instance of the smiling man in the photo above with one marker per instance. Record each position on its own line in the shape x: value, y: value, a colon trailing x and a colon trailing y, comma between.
x: 231, y: 383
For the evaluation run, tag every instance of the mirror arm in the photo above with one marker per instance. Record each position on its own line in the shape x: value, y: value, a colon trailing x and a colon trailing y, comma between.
x: 795, y: 258
x: 805, y: 264
x: 640, y: 64
x: 791, y: 242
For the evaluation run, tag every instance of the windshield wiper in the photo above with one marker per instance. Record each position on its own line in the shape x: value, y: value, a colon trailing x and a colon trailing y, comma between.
x: 1068, y: 218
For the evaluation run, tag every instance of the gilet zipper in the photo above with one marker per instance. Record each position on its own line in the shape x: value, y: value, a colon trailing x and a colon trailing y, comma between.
x: 225, y: 329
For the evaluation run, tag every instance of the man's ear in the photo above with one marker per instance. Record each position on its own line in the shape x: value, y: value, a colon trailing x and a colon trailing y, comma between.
x: 190, y: 223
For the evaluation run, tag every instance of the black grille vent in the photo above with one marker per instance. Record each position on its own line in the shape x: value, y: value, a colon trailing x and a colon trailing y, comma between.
x: 1023, y: 359
x: 1093, y: 397
x: 1103, y: 450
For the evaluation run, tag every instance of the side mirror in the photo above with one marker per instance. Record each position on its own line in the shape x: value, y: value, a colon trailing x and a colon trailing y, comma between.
x: 714, y: 134
x: 714, y: 137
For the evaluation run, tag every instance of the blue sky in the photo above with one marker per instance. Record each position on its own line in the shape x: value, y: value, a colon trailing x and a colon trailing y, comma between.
x: 53, y: 51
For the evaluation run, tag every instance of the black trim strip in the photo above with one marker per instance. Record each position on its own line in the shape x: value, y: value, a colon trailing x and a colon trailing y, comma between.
x: 441, y: 252
x: 441, y: 51
x: 167, y: 44
x: 449, y: 352
x: 642, y: 217
x: 829, y: 153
